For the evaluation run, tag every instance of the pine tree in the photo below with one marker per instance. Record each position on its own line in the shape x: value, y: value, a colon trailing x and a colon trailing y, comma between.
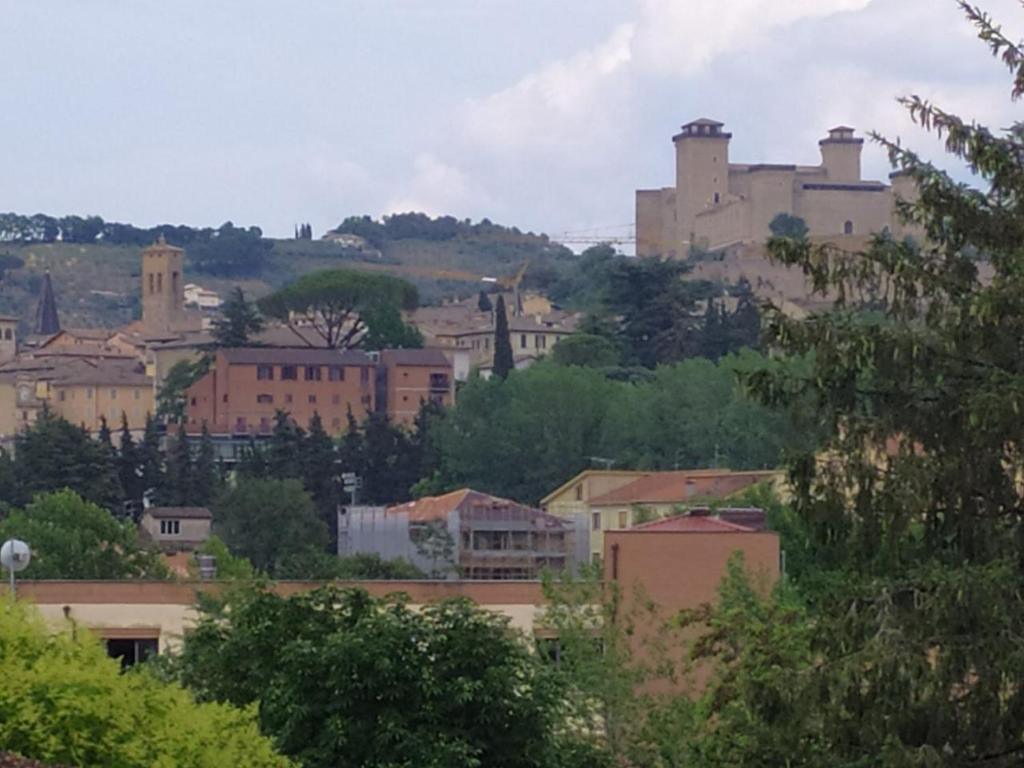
x: 284, y: 449
x: 320, y: 474
x: 129, y: 470
x: 178, y: 478
x: 204, y: 481
x: 151, y: 463
x: 504, y: 361
x: 239, y: 322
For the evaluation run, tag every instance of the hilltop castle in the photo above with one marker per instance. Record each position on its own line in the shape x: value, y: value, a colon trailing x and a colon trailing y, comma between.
x: 716, y: 204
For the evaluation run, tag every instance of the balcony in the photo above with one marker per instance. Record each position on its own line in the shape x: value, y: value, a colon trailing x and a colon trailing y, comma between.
x: 439, y: 382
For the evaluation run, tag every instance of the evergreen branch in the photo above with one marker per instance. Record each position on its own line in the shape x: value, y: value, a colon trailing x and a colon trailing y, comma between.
x: 1012, y: 54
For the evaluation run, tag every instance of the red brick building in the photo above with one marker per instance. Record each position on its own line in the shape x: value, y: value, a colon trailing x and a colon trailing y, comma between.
x: 247, y: 386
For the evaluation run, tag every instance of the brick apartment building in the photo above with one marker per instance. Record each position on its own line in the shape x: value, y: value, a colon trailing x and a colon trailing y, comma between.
x: 247, y: 386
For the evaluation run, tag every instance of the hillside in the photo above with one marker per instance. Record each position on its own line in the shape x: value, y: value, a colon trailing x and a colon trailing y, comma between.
x: 97, y: 284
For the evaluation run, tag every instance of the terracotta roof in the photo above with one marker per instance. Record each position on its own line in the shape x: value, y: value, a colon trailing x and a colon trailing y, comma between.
x: 431, y: 508
x: 426, y: 357
x: 60, y: 370
x: 682, y: 486
x: 294, y: 356
x: 692, y: 524
x: 181, y: 513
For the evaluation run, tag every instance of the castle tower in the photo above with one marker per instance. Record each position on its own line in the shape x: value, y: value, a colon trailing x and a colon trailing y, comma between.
x: 702, y: 175
x: 47, y: 320
x: 8, y: 338
x: 163, y: 290
x: 840, y: 154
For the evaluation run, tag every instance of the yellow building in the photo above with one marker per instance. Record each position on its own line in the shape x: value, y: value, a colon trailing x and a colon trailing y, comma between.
x: 82, y: 390
x: 619, y: 500
x: 716, y: 204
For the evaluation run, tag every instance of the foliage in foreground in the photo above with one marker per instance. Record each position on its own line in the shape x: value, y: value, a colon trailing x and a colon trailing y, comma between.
x: 343, y: 679
x: 64, y: 701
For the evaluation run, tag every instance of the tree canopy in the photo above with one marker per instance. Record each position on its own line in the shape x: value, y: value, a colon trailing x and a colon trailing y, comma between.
x: 239, y: 322
x: 64, y: 701
x: 344, y: 679
x: 72, y: 538
x: 334, y: 302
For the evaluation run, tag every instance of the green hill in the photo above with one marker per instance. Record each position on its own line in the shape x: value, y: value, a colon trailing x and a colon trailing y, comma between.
x: 97, y: 283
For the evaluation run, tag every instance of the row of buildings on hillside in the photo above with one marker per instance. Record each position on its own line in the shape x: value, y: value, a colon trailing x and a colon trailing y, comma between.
x: 92, y: 375
x: 470, y: 544
x: 469, y: 534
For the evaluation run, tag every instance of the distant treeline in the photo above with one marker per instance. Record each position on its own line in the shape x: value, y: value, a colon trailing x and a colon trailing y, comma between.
x: 420, y: 226
x: 227, y: 251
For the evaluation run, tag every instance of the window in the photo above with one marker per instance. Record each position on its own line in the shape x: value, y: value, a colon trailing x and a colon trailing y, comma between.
x: 7, y: 334
x: 289, y: 373
x: 336, y: 373
x: 848, y: 228
x: 312, y: 399
x: 130, y: 651
x: 151, y: 278
x: 312, y: 373
x: 193, y: 402
x: 159, y: 282
x: 623, y: 518
x: 225, y: 397
x: 61, y: 396
x: 579, y: 492
x: 717, y: 199
x: 335, y: 399
x: 595, y: 521
x: 264, y: 373
x: 522, y: 340
x: 170, y: 527
x: 265, y: 399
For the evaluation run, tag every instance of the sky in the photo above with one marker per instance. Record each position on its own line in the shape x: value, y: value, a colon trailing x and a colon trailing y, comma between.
x: 541, y: 114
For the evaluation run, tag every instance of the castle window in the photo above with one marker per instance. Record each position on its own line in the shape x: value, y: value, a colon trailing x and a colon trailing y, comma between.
x: 151, y: 278
x: 717, y: 198
x: 848, y: 228
x: 159, y: 282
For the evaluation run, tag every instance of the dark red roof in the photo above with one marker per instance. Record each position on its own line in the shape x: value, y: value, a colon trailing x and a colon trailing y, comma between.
x: 426, y: 357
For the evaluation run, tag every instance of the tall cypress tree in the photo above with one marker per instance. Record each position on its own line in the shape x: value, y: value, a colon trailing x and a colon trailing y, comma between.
x: 504, y: 361
x: 178, y: 477
x: 129, y: 469
x: 204, y: 472
x: 320, y: 473
x: 284, y: 450
x: 151, y: 462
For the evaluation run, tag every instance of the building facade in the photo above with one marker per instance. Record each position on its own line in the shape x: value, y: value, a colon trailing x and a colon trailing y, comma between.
x: 716, y: 204
x: 246, y: 387
x: 466, y: 534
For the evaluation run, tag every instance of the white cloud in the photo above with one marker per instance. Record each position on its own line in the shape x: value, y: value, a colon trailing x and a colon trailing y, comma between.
x: 437, y: 188
x: 566, y: 104
x: 681, y: 38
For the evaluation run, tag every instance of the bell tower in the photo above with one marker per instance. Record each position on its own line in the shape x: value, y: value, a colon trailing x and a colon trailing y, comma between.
x: 163, y: 292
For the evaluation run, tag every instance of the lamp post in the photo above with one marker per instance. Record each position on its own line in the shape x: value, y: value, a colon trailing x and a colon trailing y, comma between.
x: 14, y: 556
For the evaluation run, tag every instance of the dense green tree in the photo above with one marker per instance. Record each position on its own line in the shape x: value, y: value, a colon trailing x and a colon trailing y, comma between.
x: 334, y: 302
x: 586, y: 349
x: 239, y: 322
x: 267, y: 521
x: 95, y: 715
x: 385, y: 329
x: 204, y: 476
x: 170, y: 399
x: 321, y: 475
x: 504, y: 361
x: 788, y: 225
x: 231, y: 251
x: 151, y: 458
x: 452, y: 683
x: 389, y: 466
x: 74, y: 539
x: 177, y: 488
x: 54, y: 454
x: 483, y: 302
x: 899, y: 650
x: 284, y: 451
x: 129, y: 469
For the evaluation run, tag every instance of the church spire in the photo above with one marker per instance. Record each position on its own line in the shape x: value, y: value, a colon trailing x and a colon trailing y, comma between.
x: 47, y: 322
